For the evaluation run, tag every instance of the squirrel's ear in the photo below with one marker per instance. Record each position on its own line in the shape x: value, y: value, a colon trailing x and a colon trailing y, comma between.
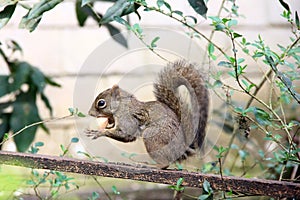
x: 115, y: 97
x: 115, y: 91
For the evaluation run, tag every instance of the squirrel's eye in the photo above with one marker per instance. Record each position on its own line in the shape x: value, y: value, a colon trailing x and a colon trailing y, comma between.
x: 101, y: 103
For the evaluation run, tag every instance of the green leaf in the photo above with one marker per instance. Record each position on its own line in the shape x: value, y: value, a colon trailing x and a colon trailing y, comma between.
x: 168, y: 6
x: 262, y: 116
x: 4, y: 85
x: 38, y: 79
x: 81, y: 12
x: 84, y: 2
x: 204, y: 197
x: 45, y: 128
x: 215, y: 19
x: 199, y: 6
x: 217, y: 84
x: 20, y: 72
x: 51, y: 82
x: 39, y: 144
x: 47, y: 103
x: 128, y: 155
x: 297, y: 20
x: 4, y: 125
x: 240, y: 60
x: 71, y: 110
x: 117, y: 35
x: 6, y: 14
x: 7, y: 2
x: 122, y: 21
x: 236, y: 35
x: 74, y: 140
x: 248, y: 86
x: 6, y: 136
x: 232, y: 22
x: 25, y: 112
x: 153, y: 42
x: 178, y: 12
x: 80, y: 114
x: 211, y: 50
x: 225, y: 64
x: 220, y: 27
x: 34, y: 15
x: 130, y: 9
x: 114, y: 11
x: 95, y: 196
x: 114, y: 189
x: 14, y: 46
x: 63, y: 149
x: 137, y: 29
x: 258, y: 54
x: 277, y: 137
x: 179, y: 182
x: 160, y: 3
x: 206, y: 187
x: 285, y: 5
x: 232, y: 74
x: 193, y: 18
x: 225, y: 20
x: 243, y: 154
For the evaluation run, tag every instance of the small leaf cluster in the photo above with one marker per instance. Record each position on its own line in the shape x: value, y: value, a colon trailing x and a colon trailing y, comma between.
x: 287, y: 14
x: 86, y: 9
x: 207, y: 193
x: 178, y: 187
x: 225, y: 25
x: 56, y: 181
x: 33, y: 16
x: 20, y: 90
x: 95, y: 196
x: 65, y: 149
x: 76, y: 112
x: 220, y: 151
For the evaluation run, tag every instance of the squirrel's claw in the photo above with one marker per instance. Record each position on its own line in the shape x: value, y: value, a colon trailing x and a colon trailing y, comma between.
x: 94, y: 134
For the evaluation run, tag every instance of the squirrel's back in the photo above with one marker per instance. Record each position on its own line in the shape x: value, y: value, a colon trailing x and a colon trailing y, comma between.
x: 193, y: 118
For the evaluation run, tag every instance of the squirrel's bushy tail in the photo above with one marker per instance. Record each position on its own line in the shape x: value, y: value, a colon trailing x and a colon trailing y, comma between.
x: 193, y: 118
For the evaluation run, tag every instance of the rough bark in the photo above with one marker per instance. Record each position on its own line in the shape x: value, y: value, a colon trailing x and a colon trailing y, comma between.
x: 277, y: 189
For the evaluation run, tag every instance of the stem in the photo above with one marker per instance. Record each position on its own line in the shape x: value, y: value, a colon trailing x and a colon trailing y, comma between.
x: 99, y: 184
x: 150, y: 48
x: 94, y: 14
x: 251, y: 95
x: 221, y: 174
x: 259, y: 86
x: 282, y: 171
x: 182, y: 22
x: 34, y: 124
x: 213, y: 31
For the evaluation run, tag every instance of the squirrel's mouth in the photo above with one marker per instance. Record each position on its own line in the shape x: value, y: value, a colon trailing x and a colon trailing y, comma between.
x: 109, y: 121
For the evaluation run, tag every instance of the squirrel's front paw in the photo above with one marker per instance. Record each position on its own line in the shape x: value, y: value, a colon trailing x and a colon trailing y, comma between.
x: 94, y: 134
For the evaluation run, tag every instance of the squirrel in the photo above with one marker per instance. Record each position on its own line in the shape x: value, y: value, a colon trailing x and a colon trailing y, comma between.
x: 171, y: 129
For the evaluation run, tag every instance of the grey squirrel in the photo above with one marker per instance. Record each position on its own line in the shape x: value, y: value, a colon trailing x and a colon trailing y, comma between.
x: 171, y: 129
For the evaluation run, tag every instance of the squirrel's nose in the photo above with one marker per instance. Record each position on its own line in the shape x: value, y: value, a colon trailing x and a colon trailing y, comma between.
x: 92, y: 112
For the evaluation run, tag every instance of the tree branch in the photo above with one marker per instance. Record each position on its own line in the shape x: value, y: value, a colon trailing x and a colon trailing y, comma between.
x: 141, y: 173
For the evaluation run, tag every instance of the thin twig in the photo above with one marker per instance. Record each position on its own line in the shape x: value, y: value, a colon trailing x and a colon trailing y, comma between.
x: 34, y: 124
x: 184, y: 23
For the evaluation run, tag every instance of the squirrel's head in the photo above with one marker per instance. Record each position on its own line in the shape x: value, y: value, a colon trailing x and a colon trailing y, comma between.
x: 107, y: 104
